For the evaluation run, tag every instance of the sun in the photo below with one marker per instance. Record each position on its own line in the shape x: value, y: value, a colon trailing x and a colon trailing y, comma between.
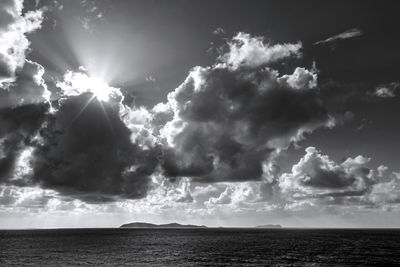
x: 100, y: 89
x: 76, y: 83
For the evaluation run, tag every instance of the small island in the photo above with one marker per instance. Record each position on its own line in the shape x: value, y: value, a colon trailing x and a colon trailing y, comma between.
x: 267, y: 226
x: 168, y: 225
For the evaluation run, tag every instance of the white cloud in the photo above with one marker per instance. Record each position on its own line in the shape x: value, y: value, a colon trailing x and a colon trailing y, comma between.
x: 300, y: 79
x: 14, y: 25
x: 318, y: 181
x: 225, y: 121
x: 25, y: 198
x: 29, y: 87
x: 387, y: 91
x: 213, y: 117
x: 385, y: 193
x: 351, y: 33
x: 316, y: 175
x: 77, y: 83
x: 245, y: 193
x: 382, y: 169
x: 22, y: 168
x: 248, y: 51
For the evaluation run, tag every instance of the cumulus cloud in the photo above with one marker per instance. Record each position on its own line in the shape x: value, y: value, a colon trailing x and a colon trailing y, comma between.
x: 14, y: 25
x: 246, y: 50
x: 227, y: 119
x: 225, y: 123
x: 351, y: 33
x: 88, y: 153
x: 28, y: 88
x: 18, y: 131
x: 317, y: 180
x: 386, y: 91
x: 385, y: 193
x: 25, y: 197
x: 243, y: 194
x: 381, y: 170
x: 82, y: 148
x: 208, y: 150
x: 317, y: 175
x: 301, y: 78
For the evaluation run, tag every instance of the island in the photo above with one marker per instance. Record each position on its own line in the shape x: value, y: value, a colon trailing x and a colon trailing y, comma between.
x: 269, y: 226
x: 168, y: 225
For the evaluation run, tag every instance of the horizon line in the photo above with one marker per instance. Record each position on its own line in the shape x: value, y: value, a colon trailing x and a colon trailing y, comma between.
x: 209, y: 227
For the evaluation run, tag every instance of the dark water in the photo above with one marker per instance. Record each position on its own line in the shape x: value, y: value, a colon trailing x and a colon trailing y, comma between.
x: 199, y: 247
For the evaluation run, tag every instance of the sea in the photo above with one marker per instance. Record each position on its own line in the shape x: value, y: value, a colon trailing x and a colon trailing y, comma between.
x: 200, y: 247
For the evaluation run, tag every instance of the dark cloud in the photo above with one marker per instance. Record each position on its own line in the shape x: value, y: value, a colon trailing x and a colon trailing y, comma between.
x: 29, y: 87
x: 228, y: 118
x: 318, y: 181
x: 18, y: 128
x: 316, y: 175
x: 320, y: 178
x: 90, y: 155
x: 223, y: 123
x: 5, y: 72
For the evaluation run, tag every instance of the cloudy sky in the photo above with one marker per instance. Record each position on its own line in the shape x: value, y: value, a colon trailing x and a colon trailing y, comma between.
x: 208, y: 112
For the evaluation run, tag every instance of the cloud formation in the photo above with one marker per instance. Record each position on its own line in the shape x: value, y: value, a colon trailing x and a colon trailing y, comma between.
x: 211, y: 145
x: 348, y: 34
x: 317, y: 180
x: 81, y: 148
x: 248, y: 51
x: 316, y: 175
x: 230, y: 117
x: 387, y: 91
x: 77, y: 83
x: 18, y: 130
x: 14, y: 25
x: 29, y: 87
x: 386, y: 193
x: 88, y: 153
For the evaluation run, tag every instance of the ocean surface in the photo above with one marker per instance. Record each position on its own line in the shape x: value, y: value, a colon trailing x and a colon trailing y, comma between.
x: 199, y: 247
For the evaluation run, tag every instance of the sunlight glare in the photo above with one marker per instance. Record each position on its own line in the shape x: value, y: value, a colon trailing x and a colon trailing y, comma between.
x: 76, y: 83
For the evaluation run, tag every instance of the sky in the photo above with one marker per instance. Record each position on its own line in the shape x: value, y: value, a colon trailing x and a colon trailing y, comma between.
x: 222, y: 113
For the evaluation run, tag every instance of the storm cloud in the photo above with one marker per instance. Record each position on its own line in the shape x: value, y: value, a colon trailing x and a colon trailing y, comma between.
x: 89, y: 154
x: 18, y: 128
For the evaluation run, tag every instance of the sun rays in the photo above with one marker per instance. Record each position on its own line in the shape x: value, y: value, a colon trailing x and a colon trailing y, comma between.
x: 77, y: 83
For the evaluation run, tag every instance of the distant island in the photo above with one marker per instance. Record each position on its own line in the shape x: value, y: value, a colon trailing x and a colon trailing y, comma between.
x: 167, y: 225
x: 269, y: 226
x: 177, y: 225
